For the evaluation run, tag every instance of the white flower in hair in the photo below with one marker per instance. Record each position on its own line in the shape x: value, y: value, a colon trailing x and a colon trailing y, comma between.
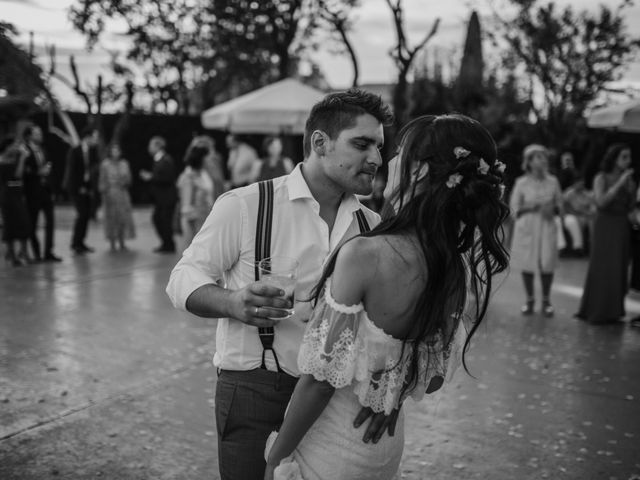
x: 501, y: 167
x: 483, y: 167
x: 461, y: 152
x: 454, y: 180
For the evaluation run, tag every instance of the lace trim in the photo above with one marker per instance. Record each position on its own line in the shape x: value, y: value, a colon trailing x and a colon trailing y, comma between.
x: 340, y: 349
x: 339, y: 307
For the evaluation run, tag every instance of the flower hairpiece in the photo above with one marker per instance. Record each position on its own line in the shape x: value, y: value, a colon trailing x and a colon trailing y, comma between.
x: 461, y: 152
x: 454, y: 180
x: 500, y: 167
x: 483, y: 167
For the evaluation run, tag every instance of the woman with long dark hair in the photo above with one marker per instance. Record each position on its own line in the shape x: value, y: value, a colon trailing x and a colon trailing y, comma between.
x: 396, y: 306
x: 607, y: 280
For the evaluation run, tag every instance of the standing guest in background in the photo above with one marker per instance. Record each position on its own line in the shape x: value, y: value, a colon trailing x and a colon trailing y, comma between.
x: 212, y: 163
x: 607, y: 278
x: 273, y: 164
x: 195, y: 190
x: 165, y: 195
x: 38, y: 192
x: 81, y: 182
x: 114, y: 183
x: 535, y: 201
x: 579, y: 209
x: 16, y: 226
x: 567, y: 174
x: 242, y: 162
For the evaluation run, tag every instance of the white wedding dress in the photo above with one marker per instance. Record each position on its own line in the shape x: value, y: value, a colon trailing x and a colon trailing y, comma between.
x: 367, y: 367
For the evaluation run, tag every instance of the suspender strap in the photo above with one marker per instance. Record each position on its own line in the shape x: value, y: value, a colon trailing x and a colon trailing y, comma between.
x: 264, y: 227
x: 363, y: 224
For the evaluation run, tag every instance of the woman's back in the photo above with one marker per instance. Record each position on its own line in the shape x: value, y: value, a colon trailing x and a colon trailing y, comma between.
x: 393, y: 273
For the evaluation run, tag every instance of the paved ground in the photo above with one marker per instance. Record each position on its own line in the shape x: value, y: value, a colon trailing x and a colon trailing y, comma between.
x: 100, y: 378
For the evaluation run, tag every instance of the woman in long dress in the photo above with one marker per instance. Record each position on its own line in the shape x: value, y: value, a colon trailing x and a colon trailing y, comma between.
x: 114, y: 182
x: 195, y: 189
x: 536, y: 200
x: 388, y: 320
x: 16, y: 224
x: 607, y: 280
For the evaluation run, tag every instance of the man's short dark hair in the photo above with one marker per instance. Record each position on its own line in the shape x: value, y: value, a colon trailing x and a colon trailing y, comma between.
x: 339, y: 111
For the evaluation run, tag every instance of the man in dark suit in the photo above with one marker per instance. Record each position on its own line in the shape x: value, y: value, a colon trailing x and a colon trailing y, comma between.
x: 81, y: 182
x: 38, y: 192
x: 165, y: 195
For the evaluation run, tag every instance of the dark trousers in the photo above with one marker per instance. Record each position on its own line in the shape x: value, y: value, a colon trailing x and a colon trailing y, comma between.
x: 82, y: 202
x: 42, y: 203
x: 162, y: 219
x: 249, y: 406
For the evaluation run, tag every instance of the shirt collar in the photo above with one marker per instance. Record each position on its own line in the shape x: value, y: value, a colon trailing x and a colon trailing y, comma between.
x: 298, y: 188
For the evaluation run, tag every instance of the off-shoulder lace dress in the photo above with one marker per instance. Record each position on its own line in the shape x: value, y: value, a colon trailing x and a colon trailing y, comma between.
x: 368, y: 367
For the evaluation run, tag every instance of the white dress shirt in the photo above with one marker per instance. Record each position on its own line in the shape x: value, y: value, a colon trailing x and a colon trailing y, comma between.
x: 223, y: 253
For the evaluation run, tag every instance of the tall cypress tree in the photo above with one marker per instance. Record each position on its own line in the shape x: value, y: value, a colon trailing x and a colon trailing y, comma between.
x: 470, y: 83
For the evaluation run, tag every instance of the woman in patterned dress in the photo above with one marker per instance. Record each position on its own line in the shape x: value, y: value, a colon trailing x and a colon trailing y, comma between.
x: 114, y: 183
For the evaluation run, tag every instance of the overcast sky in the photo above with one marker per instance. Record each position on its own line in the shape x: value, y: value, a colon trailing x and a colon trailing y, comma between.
x: 372, y: 36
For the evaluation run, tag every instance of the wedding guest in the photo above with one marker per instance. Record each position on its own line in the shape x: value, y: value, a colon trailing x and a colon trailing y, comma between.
x: 195, y: 190
x: 81, y: 182
x: 579, y: 211
x: 242, y: 161
x: 39, y: 193
x: 273, y: 164
x: 16, y: 226
x: 165, y: 195
x: 606, y: 284
x: 212, y: 163
x: 536, y: 200
x: 567, y: 173
x: 114, y: 183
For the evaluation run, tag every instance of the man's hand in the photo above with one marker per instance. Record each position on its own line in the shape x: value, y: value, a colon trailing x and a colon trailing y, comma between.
x: 379, y: 423
x: 146, y: 175
x: 254, y: 303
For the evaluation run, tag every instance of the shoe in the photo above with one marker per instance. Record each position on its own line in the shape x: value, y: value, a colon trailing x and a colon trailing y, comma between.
x: 165, y: 250
x: 635, y: 322
x: 78, y: 250
x: 50, y: 257
x: 547, y: 310
x: 87, y: 248
x: 527, y: 308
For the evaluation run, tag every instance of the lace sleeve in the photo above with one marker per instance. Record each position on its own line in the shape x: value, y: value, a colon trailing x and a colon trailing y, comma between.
x: 331, y: 345
x: 343, y: 347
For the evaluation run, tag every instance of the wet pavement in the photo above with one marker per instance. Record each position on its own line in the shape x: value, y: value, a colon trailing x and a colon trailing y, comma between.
x: 101, y: 378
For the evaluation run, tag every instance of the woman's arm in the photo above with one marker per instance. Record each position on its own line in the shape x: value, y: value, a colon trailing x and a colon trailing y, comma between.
x: 349, y: 282
x: 308, y: 401
x: 605, y: 196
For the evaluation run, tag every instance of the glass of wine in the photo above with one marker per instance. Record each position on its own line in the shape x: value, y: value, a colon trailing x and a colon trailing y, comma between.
x: 280, y: 272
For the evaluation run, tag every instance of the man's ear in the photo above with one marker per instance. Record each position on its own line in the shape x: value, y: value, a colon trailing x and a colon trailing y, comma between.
x: 319, y: 141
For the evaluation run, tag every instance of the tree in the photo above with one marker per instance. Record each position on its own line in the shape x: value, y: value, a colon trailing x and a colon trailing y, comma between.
x: 403, y: 56
x: 335, y: 13
x: 184, y: 46
x: 470, y: 83
x: 570, y: 56
x: 19, y: 75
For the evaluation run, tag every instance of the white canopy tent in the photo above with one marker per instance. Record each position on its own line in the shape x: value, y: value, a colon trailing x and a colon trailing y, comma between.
x: 624, y: 117
x: 282, y: 107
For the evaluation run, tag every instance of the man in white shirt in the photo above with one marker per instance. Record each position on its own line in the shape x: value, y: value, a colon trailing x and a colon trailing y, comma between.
x: 314, y: 211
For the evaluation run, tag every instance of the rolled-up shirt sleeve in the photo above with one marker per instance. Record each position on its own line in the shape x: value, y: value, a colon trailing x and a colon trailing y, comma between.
x: 213, y: 251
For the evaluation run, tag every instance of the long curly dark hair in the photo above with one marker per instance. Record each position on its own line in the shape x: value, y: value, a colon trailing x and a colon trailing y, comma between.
x: 455, y: 207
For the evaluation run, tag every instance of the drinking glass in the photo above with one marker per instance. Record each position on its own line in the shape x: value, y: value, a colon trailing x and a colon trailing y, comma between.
x: 280, y: 272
